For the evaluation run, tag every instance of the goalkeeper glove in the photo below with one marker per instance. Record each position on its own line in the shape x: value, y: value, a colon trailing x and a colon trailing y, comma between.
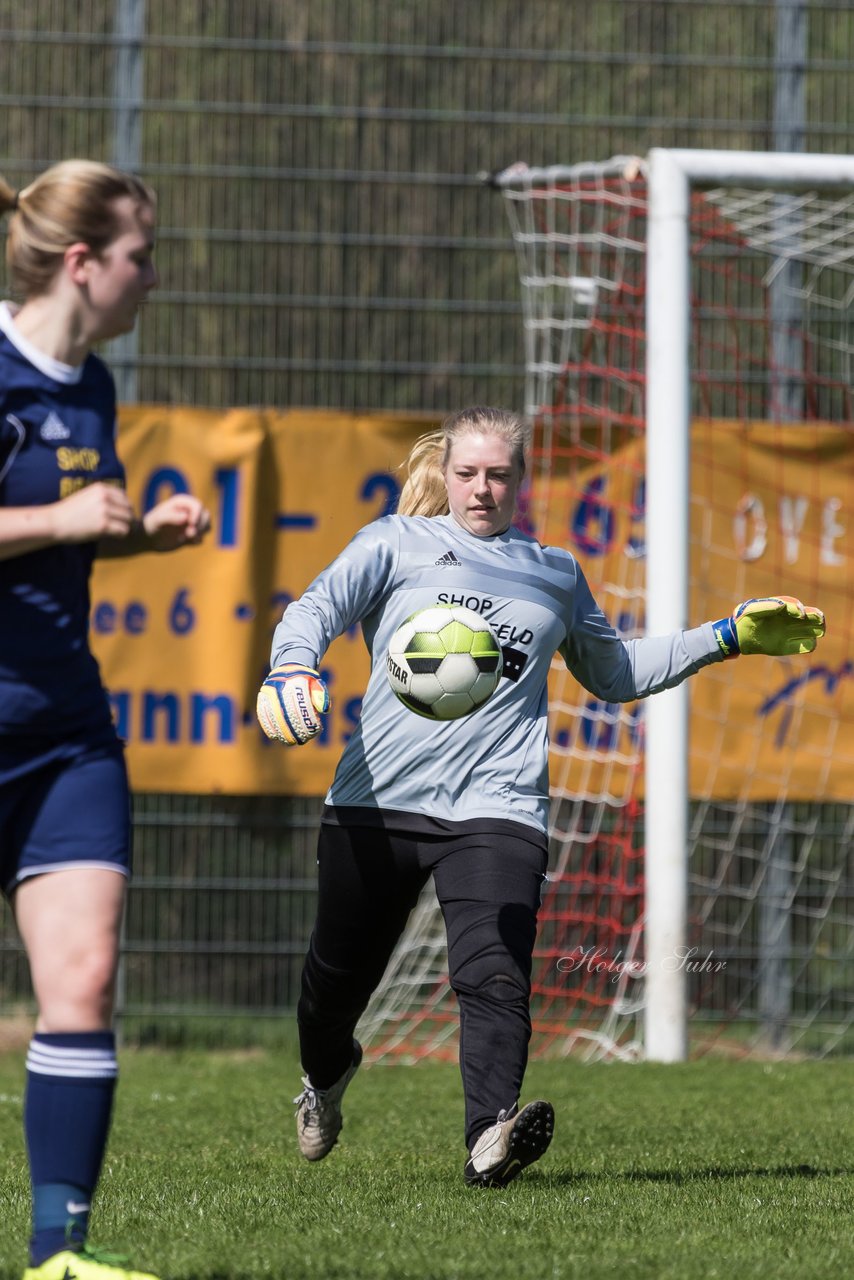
x: 290, y: 703
x: 774, y: 625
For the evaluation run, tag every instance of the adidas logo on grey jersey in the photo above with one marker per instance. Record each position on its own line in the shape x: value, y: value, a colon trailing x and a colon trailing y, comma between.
x: 449, y: 561
x: 53, y: 428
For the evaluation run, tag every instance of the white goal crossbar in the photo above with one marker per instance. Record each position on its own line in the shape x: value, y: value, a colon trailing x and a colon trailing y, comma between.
x: 670, y: 175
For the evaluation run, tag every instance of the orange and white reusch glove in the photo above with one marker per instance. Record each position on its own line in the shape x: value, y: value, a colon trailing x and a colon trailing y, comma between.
x: 290, y: 703
x: 779, y: 626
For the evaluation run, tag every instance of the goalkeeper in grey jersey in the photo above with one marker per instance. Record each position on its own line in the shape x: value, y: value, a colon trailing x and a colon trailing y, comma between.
x: 464, y: 800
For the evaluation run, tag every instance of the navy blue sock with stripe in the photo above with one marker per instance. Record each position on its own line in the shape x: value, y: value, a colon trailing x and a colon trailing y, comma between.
x: 71, y: 1079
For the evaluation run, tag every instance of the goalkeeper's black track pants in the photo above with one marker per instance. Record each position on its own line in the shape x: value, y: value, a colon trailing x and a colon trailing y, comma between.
x: 488, y: 884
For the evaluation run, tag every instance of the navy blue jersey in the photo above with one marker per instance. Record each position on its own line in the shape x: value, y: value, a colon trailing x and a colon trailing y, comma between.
x: 57, y: 434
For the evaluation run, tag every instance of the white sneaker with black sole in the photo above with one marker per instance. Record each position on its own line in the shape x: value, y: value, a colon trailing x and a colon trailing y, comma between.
x: 507, y: 1147
x: 318, y: 1112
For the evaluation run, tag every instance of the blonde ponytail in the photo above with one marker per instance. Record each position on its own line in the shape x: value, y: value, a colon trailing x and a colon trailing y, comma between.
x: 424, y: 492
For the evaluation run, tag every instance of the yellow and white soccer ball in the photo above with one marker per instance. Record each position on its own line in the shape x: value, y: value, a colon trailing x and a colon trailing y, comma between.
x: 444, y: 662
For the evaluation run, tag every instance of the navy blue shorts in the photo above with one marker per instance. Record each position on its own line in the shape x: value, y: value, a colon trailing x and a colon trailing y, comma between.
x: 62, y: 804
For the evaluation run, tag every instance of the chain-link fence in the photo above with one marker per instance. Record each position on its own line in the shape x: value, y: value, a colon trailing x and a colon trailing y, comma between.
x: 324, y: 239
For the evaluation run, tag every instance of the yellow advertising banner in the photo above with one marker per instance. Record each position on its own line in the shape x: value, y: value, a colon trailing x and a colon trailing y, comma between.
x: 769, y: 516
x: 184, y: 639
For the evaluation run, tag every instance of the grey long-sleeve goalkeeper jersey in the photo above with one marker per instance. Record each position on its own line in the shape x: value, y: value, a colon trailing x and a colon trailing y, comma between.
x: 492, y: 764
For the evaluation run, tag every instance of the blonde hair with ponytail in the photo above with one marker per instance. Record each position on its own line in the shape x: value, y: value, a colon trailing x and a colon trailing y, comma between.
x: 424, y: 492
x: 70, y: 203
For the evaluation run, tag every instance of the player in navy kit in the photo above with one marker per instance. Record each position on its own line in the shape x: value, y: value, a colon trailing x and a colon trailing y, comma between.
x: 464, y: 800
x: 79, y: 257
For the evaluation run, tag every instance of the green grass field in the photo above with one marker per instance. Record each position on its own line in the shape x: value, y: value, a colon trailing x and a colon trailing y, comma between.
x: 712, y: 1169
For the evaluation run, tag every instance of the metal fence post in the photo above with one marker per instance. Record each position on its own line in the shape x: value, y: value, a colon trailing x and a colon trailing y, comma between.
x: 127, y: 155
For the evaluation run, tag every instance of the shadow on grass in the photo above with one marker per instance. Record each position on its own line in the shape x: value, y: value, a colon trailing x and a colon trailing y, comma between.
x: 567, y: 1178
x: 215, y: 1275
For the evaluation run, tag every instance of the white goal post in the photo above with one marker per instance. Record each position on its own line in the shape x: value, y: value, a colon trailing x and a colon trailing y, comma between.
x: 671, y: 175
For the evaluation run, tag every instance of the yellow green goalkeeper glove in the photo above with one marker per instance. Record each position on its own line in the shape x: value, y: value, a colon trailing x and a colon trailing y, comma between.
x: 290, y: 703
x: 774, y: 625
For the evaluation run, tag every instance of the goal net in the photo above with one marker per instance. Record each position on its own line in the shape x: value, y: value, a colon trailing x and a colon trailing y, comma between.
x: 768, y: 955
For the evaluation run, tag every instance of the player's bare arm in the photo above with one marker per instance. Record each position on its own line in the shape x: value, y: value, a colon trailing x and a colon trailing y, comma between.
x: 97, y: 511
x: 179, y: 521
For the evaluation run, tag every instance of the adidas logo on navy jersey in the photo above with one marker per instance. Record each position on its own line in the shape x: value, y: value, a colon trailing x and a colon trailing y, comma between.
x: 53, y: 428
x: 449, y: 560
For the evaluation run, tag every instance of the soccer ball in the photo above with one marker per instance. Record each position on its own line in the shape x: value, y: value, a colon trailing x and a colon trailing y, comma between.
x: 444, y: 662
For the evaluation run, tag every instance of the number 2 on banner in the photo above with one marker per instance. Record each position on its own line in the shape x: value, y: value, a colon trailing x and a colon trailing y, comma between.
x: 381, y: 484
